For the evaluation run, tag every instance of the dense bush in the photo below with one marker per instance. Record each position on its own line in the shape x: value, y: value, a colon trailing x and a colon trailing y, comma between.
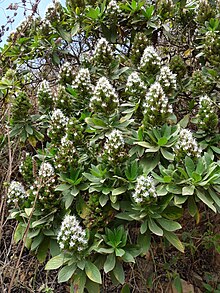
x: 113, y: 113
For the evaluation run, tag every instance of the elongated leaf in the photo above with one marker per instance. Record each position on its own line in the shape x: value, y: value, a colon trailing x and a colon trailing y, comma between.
x: 190, y: 166
x: 93, y: 272
x: 174, y: 240
x: 155, y: 228
x: 214, y: 196
x: 188, y: 190
x: 206, y: 199
x: 192, y: 207
x: 168, y: 224
x: 66, y: 273
x: 109, y: 263
x: 167, y: 155
x: 55, y: 262
x: 79, y: 282
x: 119, y: 273
x: 118, y: 190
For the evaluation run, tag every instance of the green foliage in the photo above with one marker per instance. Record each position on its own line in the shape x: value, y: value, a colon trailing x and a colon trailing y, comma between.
x: 104, y: 117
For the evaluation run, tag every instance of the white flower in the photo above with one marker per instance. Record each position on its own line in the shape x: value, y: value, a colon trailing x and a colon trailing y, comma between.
x: 166, y: 78
x: 16, y: 193
x: 134, y: 84
x: 71, y: 235
x: 150, y: 58
x: 144, y: 189
x: 187, y: 144
x: 82, y: 81
x: 103, y: 53
x: 105, y: 97
x: 46, y: 170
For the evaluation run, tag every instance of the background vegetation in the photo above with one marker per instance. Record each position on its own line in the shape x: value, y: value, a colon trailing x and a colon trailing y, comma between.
x: 110, y: 148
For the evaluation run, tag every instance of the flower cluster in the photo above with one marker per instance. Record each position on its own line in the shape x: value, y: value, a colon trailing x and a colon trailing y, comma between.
x: 44, y: 187
x: 66, y: 155
x: 156, y: 105
x: 144, y: 190
x: 212, y: 47
x: 139, y: 44
x: 113, y: 9
x: 65, y: 73
x: 114, y: 147
x: 71, y: 236
x: 167, y: 79
x: 103, y: 54
x: 44, y: 95
x: 74, y: 131
x: 200, y: 83
x: 26, y: 168
x: 82, y: 82
x: 105, y: 98
x: 16, y: 193
x: 135, y: 87
x: 150, y: 61
x: 207, y: 117
x: 46, y: 171
x: 62, y: 100
x: 187, y: 145
x: 57, y: 125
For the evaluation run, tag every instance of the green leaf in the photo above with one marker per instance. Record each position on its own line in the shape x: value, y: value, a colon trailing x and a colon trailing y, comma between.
x: 174, y: 240
x: 184, y: 122
x: 192, y: 207
x: 214, y: 196
x: 28, y: 211
x: 79, y: 282
x: 173, y: 213
x: 109, y: 263
x: 66, y: 273
x: 119, y: 273
x: 144, y: 227
x: 103, y: 199
x: 125, y: 289
x: 127, y: 257
x: 75, y: 29
x: 167, y: 155
x: 188, y: 190
x: 29, y: 129
x: 55, y: 262
x: 42, y: 250
x: 162, y: 141
x: 155, y: 228
x: 93, y: 13
x: 62, y: 187
x: 91, y: 287
x: 190, y: 166
x: 93, y: 272
x: 37, y: 241
x: 150, y: 148
x: 168, y: 224
x: 177, y: 284
x: 144, y: 242
x: 119, y: 252
x: 64, y: 34
x: 119, y: 190
x: 19, y: 233
x: 204, y: 198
